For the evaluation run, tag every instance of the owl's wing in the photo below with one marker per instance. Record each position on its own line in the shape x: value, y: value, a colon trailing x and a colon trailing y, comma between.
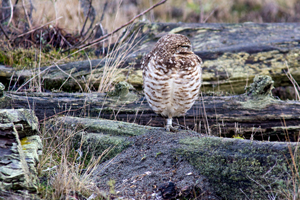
x: 199, y: 59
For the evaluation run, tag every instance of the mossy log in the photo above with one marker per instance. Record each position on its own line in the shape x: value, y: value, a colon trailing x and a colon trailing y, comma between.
x: 263, y: 118
x: 232, y: 53
x: 214, y: 167
x: 237, y: 168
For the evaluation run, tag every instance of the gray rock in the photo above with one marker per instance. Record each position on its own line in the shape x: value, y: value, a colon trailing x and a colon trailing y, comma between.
x: 2, y: 88
x: 20, y: 146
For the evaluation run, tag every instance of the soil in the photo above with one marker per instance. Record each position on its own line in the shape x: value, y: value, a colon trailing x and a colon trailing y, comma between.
x: 149, y: 170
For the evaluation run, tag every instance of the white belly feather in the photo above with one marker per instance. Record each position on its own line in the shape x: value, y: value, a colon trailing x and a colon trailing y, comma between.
x: 171, y: 94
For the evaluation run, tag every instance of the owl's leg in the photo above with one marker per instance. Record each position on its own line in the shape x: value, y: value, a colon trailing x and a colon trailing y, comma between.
x: 169, y: 124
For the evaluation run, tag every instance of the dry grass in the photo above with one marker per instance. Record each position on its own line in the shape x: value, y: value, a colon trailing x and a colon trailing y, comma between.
x: 291, y: 188
x: 294, y: 83
x: 119, y: 12
x: 115, y: 57
x: 113, y: 60
x: 63, y: 171
x: 115, y: 54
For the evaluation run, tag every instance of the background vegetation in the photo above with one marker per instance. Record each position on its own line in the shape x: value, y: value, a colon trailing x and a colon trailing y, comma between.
x: 70, y: 15
x: 50, y: 26
x: 118, y: 12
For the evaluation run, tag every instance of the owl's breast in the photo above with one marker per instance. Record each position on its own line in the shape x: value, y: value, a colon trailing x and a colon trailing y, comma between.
x: 171, y: 92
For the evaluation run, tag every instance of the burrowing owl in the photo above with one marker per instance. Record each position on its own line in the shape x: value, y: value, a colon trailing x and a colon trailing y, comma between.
x: 172, y: 77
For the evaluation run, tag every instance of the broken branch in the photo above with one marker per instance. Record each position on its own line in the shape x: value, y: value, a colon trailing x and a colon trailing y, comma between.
x: 116, y: 30
x: 37, y: 28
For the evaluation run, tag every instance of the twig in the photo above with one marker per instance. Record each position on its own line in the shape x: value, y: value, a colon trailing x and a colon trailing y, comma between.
x: 244, y: 193
x: 210, y: 14
x: 11, y: 12
x: 80, y: 42
x: 205, y: 115
x: 116, y: 30
x: 33, y: 78
x: 86, y: 18
x: 270, y: 194
x: 64, y: 39
x: 69, y: 76
x: 2, y: 29
x: 17, y: 1
x: 37, y: 28
x: 104, y: 9
x: 294, y: 83
x: 28, y: 19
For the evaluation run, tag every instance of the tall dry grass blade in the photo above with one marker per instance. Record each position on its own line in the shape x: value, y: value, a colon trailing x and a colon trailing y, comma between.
x: 27, y: 16
x: 206, y: 124
x: 32, y: 78
x: 39, y: 65
x: 11, y: 14
x: 293, y: 81
x: 293, y: 181
x: 114, y: 59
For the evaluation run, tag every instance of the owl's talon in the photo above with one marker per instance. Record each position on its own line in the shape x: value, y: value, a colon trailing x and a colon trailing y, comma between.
x: 167, y: 129
x: 172, y: 129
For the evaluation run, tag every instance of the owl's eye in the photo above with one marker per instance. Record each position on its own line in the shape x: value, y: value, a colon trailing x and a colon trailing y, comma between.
x: 185, y: 46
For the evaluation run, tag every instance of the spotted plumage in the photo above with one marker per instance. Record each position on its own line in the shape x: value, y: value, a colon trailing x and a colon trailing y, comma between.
x: 172, y: 76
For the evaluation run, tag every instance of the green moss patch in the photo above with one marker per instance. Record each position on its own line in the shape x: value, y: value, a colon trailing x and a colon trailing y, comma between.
x: 234, y: 165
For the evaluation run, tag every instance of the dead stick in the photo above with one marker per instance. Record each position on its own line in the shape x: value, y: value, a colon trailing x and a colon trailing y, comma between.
x: 11, y: 12
x: 4, y: 31
x: 37, y: 28
x: 55, y: 115
x: 104, y: 9
x: 86, y: 18
x: 26, y: 14
x: 86, y: 38
x: 116, y: 30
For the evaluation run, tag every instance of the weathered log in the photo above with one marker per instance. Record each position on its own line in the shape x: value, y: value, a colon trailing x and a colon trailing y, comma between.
x: 20, y: 146
x: 214, y: 167
x: 232, y: 53
x: 264, y: 118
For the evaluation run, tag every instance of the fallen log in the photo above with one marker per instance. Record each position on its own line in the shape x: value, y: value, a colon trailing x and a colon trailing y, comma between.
x: 232, y: 53
x: 255, y: 114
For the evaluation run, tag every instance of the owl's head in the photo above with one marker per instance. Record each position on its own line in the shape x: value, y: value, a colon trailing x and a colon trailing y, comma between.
x: 175, y: 44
